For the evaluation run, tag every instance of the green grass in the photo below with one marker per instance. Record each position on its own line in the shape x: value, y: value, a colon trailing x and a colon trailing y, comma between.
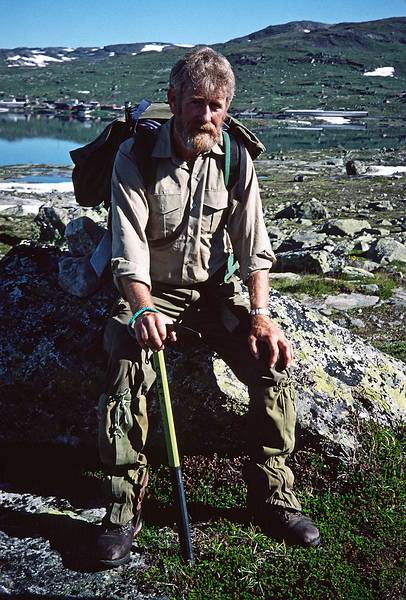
x: 358, y: 512
x: 315, y: 285
x: 395, y: 349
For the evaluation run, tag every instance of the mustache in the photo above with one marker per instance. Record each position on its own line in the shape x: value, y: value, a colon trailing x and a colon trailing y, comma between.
x: 206, y: 128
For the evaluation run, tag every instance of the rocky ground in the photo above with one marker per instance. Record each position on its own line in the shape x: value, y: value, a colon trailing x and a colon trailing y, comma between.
x: 340, y: 242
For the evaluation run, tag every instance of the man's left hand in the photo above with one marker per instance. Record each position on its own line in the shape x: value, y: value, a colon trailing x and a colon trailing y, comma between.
x: 265, y: 331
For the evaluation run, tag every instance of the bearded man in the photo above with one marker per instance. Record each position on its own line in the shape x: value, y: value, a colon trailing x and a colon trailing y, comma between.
x: 170, y: 254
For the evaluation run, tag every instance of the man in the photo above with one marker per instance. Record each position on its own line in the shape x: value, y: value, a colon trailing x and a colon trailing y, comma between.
x: 169, y: 261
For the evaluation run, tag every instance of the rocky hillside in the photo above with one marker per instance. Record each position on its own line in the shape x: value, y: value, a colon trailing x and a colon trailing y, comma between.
x: 300, y: 64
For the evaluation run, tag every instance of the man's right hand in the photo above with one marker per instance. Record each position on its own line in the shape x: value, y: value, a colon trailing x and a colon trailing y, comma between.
x: 150, y: 331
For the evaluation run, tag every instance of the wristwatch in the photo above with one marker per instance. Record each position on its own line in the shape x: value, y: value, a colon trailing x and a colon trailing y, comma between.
x: 260, y: 311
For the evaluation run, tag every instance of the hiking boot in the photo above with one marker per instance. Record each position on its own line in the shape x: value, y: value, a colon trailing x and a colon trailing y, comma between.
x: 289, y: 525
x: 114, y: 541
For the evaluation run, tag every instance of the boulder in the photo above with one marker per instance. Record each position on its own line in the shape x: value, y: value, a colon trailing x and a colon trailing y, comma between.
x: 388, y: 250
x: 56, y: 214
x: 304, y: 238
x: 52, y: 366
x: 83, y: 235
x: 350, y: 301
x: 305, y: 261
x: 355, y: 168
x: 311, y: 209
x: 76, y: 276
x: 343, y: 227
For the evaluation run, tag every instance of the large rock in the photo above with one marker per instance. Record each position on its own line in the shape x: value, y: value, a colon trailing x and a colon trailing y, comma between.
x: 304, y: 261
x: 311, y: 209
x: 388, y: 250
x: 83, y: 235
x: 344, y: 227
x: 55, y: 215
x: 52, y: 365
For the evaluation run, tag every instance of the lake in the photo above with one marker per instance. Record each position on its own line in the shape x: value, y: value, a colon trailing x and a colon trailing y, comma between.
x: 47, y: 140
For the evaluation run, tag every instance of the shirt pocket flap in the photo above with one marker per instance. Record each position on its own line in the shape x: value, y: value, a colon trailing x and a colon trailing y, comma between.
x: 165, y: 203
x: 215, y: 200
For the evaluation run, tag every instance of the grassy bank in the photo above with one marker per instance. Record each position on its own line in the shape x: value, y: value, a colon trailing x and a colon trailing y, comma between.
x: 358, y: 511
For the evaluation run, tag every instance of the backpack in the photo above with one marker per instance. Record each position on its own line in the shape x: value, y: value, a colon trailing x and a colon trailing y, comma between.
x: 93, y: 163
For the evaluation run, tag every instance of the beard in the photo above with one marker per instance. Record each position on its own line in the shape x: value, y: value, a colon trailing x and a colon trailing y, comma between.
x: 202, y: 140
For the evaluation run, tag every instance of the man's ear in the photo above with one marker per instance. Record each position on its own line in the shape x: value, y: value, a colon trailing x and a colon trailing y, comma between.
x: 171, y: 95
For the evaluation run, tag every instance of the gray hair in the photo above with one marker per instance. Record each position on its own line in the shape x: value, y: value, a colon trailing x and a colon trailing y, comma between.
x: 206, y: 70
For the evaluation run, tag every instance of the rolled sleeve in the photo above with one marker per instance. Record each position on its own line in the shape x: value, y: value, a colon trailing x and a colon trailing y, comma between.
x: 129, y: 217
x: 246, y: 227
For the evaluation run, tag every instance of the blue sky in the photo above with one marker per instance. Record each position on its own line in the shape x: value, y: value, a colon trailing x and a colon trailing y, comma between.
x: 101, y: 22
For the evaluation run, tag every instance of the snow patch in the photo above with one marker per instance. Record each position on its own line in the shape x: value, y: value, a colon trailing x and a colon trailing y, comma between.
x: 112, y: 53
x: 39, y: 60
x: 334, y: 120
x: 306, y: 30
x: 38, y: 188
x: 384, y: 171
x: 154, y: 47
x: 83, y: 92
x: 381, y: 72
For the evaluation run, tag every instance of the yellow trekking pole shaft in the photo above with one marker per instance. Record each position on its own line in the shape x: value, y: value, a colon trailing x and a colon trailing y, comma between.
x: 173, y: 455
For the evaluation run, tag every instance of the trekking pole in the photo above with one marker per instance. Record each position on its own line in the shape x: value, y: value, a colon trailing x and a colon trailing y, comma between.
x: 173, y: 455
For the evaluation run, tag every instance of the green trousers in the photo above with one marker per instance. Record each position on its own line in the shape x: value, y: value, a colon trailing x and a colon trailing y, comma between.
x: 216, y: 310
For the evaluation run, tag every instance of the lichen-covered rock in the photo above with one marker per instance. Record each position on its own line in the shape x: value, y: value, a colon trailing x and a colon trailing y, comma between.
x: 311, y: 209
x: 388, y: 250
x: 304, y: 261
x: 76, y: 276
x: 54, y: 216
x: 82, y: 236
x: 52, y: 365
x: 344, y: 227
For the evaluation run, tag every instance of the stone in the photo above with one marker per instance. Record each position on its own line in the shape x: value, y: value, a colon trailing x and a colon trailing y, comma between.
x: 345, y: 227
x: 356, y: 272
x: 304, y: 238
x: 350, y: 301
x: 311, y: 209
x: 52, y: 368
x: 305, y: 261
x: 285, y: 276
x: 54, y: 216
x: 371, y: 288
x: 388, y: 250
x: 77, y: 277
x: 380, y: 205
x: 83, y: 235
x: 355, y: 168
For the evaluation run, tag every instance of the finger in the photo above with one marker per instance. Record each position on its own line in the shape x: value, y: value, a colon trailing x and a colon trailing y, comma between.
x: 273, y: 353
x: 253, y: 346
x: 141, y: 336
x: 285, y: 349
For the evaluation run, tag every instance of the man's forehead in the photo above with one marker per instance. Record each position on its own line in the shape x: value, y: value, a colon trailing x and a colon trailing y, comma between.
x: 202, y: 94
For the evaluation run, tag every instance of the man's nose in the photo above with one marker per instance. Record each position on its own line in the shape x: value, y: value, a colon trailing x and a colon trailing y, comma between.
x: 206, y: 113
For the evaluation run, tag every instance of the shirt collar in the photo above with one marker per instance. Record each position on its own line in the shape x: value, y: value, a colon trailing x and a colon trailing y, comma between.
x: 163, y: 145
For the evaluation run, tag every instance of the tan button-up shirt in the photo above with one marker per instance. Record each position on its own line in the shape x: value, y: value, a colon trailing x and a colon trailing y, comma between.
x: 174, y: 232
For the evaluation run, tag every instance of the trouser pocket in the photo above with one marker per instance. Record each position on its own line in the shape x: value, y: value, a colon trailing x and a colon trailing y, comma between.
x: 122, y: 428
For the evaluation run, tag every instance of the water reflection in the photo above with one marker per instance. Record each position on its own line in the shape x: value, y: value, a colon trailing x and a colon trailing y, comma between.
x: 47, y: 139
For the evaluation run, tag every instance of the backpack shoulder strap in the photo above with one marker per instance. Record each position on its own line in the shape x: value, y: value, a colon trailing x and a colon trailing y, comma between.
x: 145, y: 137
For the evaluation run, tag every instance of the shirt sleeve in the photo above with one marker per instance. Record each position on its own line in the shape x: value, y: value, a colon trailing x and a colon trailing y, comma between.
x: 129, y: 217
x: 246, y: 226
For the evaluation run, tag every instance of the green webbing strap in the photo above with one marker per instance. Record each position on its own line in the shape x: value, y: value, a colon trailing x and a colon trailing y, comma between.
x: 227, y: 157
x: 166, y: 409
x: 232, y: 264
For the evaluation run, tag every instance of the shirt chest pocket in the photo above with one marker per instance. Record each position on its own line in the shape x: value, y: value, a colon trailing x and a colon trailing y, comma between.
x: 215, y: 206
x: 165, y: 215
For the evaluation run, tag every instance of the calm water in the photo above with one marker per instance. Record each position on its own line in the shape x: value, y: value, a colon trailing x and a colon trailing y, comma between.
x: 48, y: 140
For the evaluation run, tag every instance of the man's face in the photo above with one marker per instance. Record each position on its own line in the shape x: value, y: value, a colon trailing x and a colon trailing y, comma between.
x: 198, y: 117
